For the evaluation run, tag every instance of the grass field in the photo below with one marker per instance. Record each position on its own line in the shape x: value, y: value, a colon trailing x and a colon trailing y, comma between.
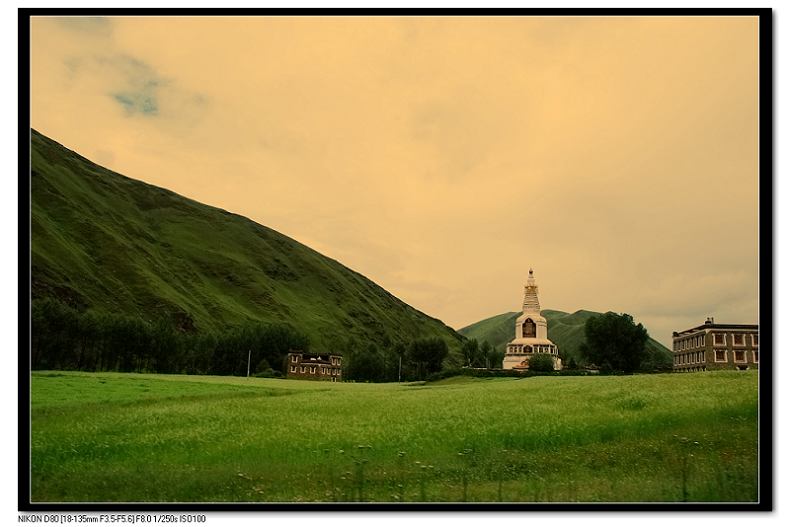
x: 164, y: 438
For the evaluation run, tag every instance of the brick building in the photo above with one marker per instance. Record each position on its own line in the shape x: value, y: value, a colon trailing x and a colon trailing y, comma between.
x: 317, y: 367
x: 716, y: 347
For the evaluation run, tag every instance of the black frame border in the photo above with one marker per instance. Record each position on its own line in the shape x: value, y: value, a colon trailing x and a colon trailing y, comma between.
x: 766, y: 256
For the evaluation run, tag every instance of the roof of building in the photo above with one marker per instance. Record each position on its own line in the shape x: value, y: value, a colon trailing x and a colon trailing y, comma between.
x: 711, y: 325
x: 315, y: 358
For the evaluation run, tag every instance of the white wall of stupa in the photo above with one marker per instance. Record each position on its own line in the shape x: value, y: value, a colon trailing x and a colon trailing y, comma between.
x: 531, y: 333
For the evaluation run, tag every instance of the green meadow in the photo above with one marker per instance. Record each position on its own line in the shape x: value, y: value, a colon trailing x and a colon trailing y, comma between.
x: 113, y: 437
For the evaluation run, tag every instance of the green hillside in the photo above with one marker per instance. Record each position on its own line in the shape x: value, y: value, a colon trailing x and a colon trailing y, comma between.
x: 566, y: 330
x: 112, y: 244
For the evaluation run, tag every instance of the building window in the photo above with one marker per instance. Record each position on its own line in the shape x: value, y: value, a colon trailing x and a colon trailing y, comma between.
x: 302, y: 370
x: 718, y: 338
x: 293, y: 358
x: 738, y: 339
x: 721, y: 356
x: 293, y: 369
x: 740, y: 356
x: 312, y: 369
x: 755, y: 355
x: 755, y: 340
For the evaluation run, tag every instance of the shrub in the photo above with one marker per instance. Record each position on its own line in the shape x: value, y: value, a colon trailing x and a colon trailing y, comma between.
x: 541, y: 362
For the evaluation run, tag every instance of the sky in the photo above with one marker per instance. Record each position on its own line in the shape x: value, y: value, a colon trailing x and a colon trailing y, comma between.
x: 443, y: 157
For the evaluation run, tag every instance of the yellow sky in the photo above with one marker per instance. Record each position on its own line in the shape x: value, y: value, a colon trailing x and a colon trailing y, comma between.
x: 442, y: 157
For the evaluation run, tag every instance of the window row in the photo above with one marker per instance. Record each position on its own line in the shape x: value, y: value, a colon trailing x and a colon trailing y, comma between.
x: 690, y: 358
x: 738, y: 356
x: 697, y: 341
x: 312, y: 369
x: 737, y: 339
x: 720, y: 355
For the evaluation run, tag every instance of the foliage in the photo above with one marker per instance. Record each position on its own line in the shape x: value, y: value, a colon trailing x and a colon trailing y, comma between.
x: 641, y: 438
x: 656, y: 361
x: 486, y: 351
x: 63, y: 338
x: 365, y: 366
x: 471, y: 352
x: 541, y: 362
x: 615, y: 342
x: 425, y: 356
x: 495, y: 357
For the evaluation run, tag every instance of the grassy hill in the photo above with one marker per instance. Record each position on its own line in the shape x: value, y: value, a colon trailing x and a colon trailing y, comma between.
x: 566, y: 330
x: 106, y: 242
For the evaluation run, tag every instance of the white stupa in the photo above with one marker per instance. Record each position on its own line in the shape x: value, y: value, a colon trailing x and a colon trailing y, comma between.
x: 532, y: 333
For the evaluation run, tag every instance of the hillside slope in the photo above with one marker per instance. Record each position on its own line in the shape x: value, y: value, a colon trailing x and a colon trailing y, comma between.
x: 102, y: 241
x: 566, y: 330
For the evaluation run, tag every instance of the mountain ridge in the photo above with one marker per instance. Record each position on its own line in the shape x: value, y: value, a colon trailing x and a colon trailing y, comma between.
x: 101, y: 240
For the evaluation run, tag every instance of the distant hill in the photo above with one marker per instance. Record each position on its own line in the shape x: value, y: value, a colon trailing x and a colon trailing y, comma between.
x: 106, y: 242
x: 566, y: 330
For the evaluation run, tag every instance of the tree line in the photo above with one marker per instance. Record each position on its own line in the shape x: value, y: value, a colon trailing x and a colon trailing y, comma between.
x: 63, y: 338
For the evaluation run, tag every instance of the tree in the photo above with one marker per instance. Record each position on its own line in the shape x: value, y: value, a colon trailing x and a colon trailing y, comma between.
x: 485, y: 351
x: 616, y: 341
x: 470, y: 351
x: 656, y: 359
x: 572, y: 364
x: 394, y: 362
x: 426, y: 356
x: 365, y: 365
x: 494, y: 357
x: 541, y: 362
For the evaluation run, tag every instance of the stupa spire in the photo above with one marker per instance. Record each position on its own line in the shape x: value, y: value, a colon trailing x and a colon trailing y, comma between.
x: 531, y: 303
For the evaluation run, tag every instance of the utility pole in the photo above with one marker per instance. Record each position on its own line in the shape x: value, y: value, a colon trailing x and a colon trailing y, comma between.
x: 249, y: 355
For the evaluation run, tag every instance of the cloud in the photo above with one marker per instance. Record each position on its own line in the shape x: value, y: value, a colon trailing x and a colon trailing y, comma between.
x: 140, y: 102
x: 140, y: 84
x: 135, y: 86
x: 97, y: 26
